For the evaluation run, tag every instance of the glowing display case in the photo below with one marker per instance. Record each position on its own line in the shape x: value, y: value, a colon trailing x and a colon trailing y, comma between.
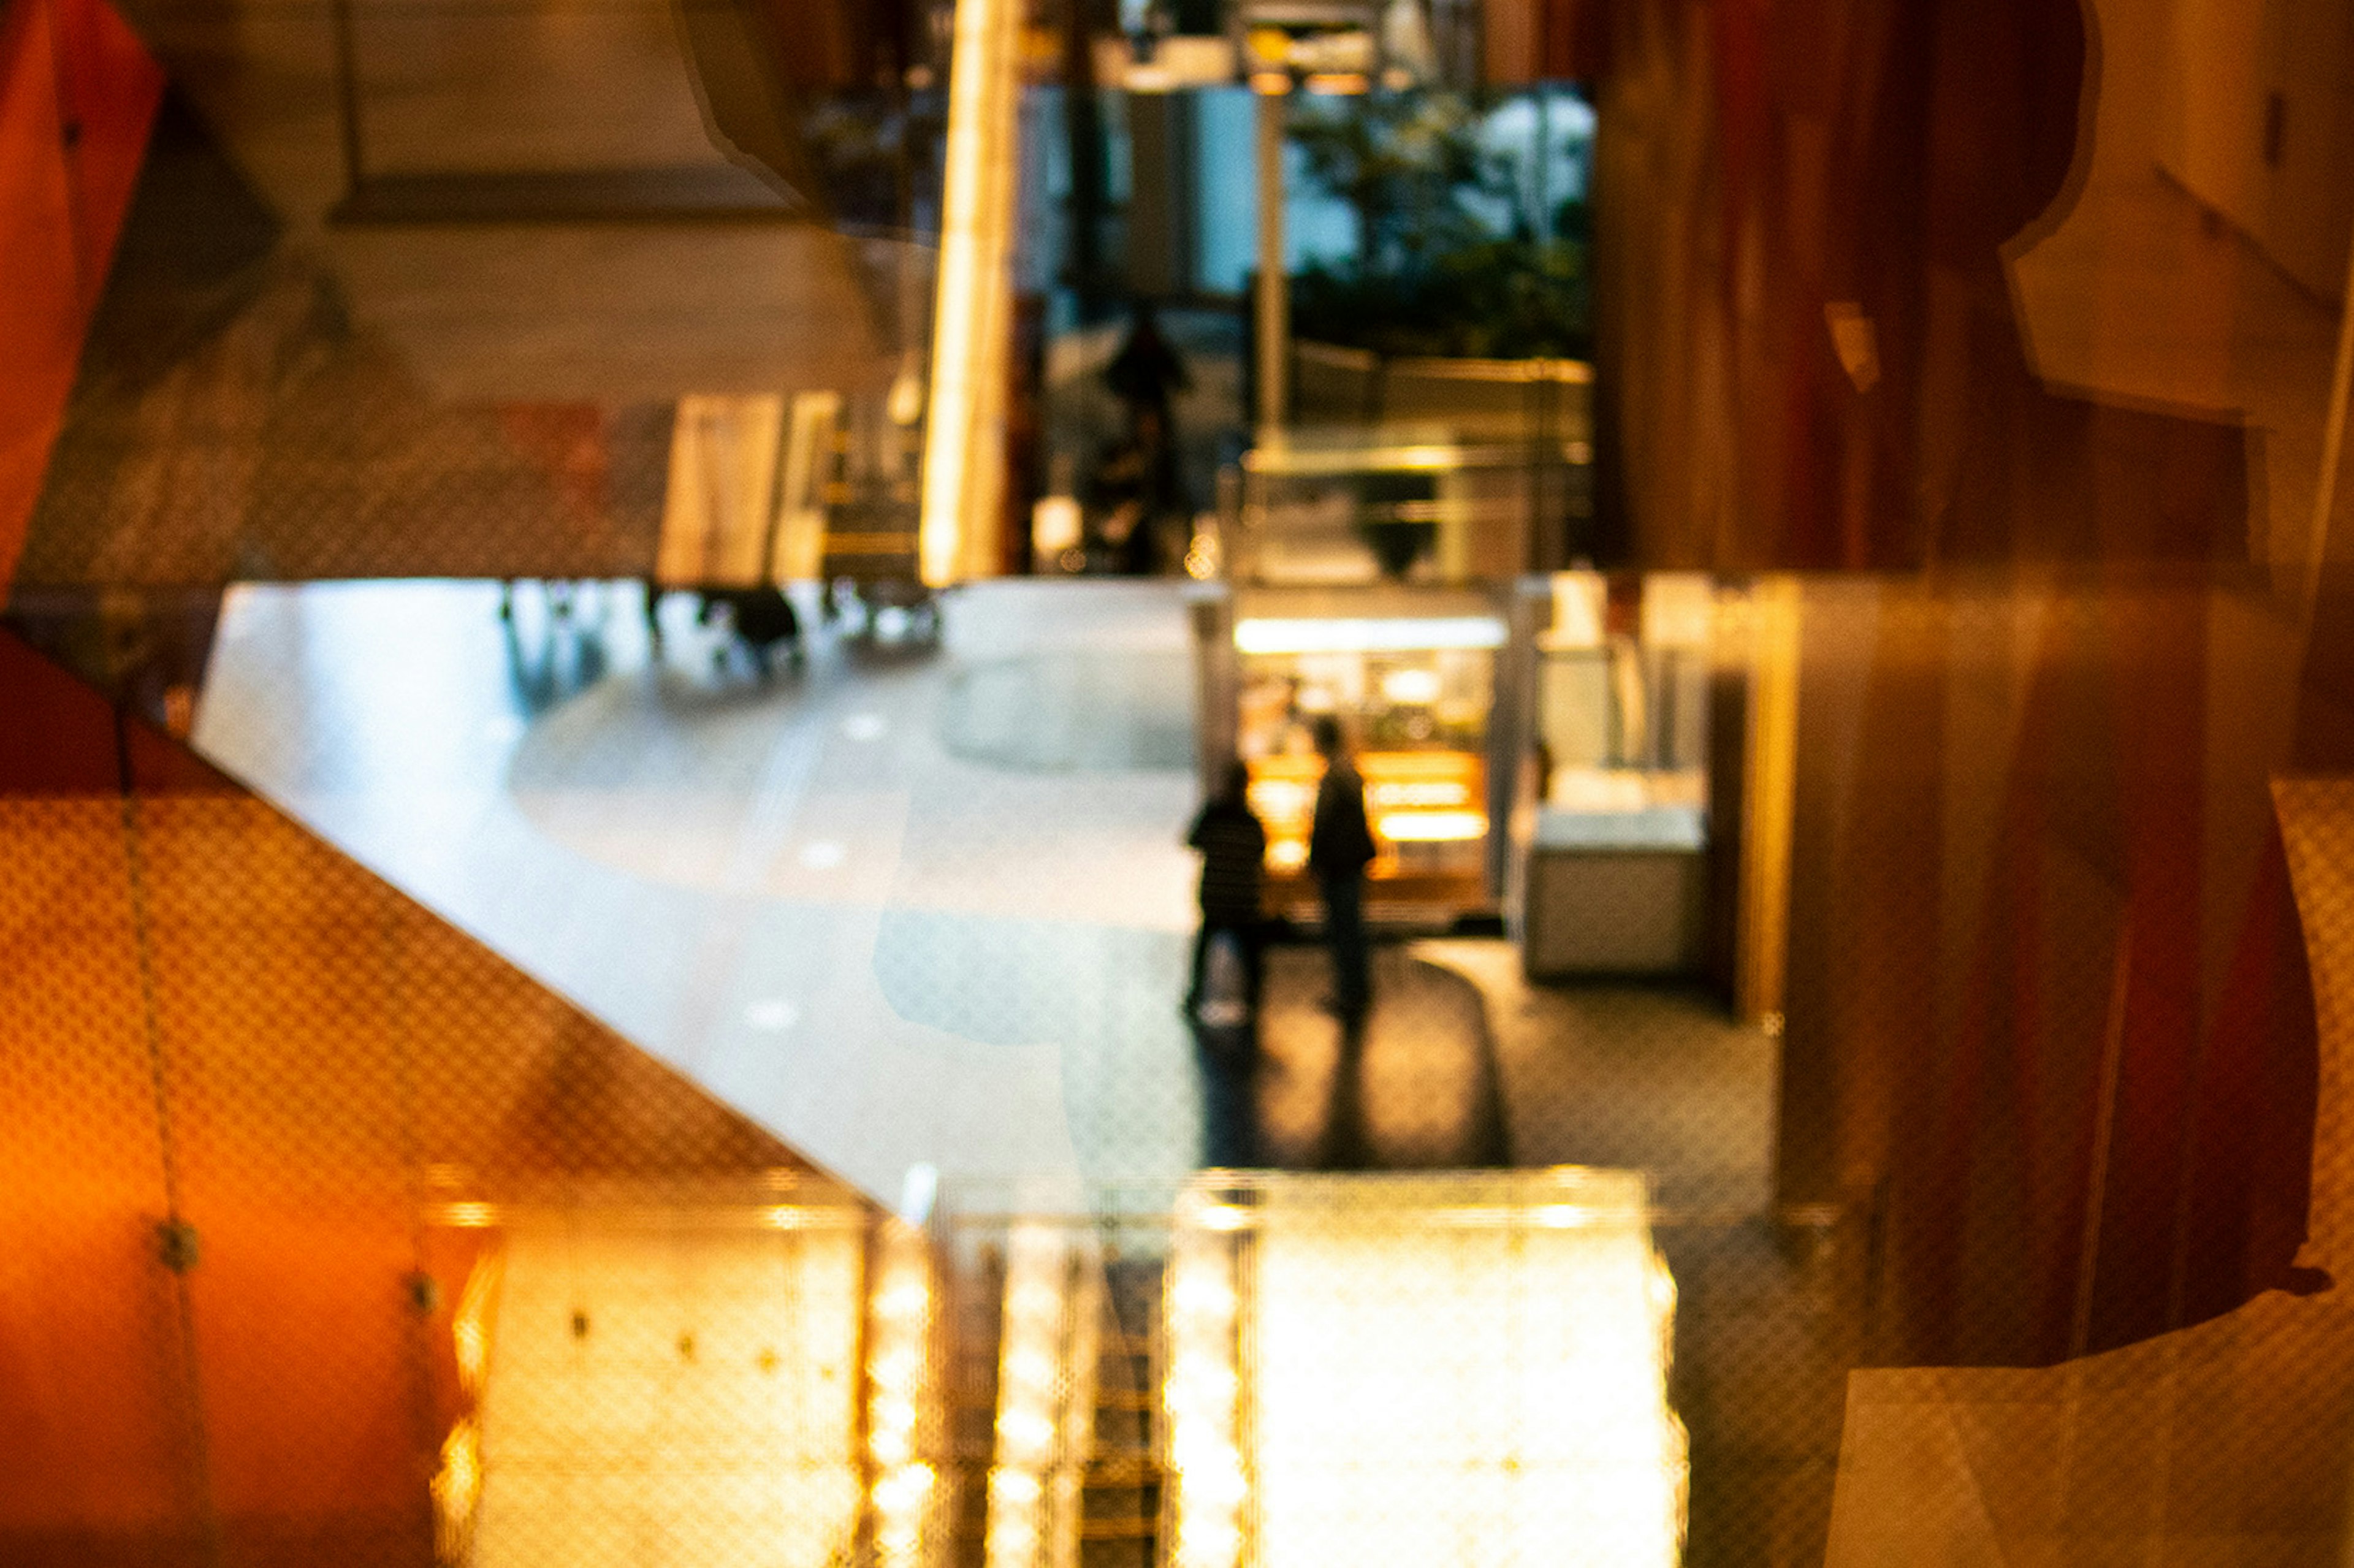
x: 1427, y: 686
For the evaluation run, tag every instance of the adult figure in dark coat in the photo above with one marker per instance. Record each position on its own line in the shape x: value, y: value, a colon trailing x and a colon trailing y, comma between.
x: 1340, y: 847
x: 1234, y: 849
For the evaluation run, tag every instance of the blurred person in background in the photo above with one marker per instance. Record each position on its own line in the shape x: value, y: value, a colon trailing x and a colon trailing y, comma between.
x: 1340, y: 847
x: 1234, y: 849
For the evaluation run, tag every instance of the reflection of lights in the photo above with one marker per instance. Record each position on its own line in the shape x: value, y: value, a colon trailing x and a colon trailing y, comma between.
x: 1043, y: 1363
x: 469, y: 1216
x: 1221, y: 1217
x: 470, y: 1328
x: 905, y: 404
x: 1017, y: 1486
x: 1400, y: 634
x: 771, y: 1015
x: 762, y: 1400
x: 1417, y: 792
x: 897, y: 1338
x: 457, y: 1488
x: 1027, y: 1436
x: 905, y: 1487
x: 1412, y: 688
x: 1353, y: 1404
x: 1270, y: 83
x: 1338, y: 83
x: 1200, y: 1394
x: 1287, y: 854
x: 1203, y: 1299
x: 1054, y: 524
x: 1282, y: 796
x: 1030, y: 1367
x: 1431, y: 827
x: 975, y: 229
x: 1202, y: 553
x: 890, y: 1444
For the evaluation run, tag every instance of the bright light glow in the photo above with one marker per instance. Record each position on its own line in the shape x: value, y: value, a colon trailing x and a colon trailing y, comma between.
x: 457, y: 1488
x: 1431, y: 827
x: 898, y: 1315
x: 771, y: 1015
x: 1679, y: 610
x: 469, y: 1216
x: 593, y: 1425
x: 891, y: 1445
x: 1578, y: 602
x: 1017, y: 1486
x: 969, y: 307
x: 1496, y: 1396
x: 1194, y: 1296
x: 1200, y: 1394
x: 1055, y: 524
x: 470, y: 1328
x: 1414, y: 688
x: 1416, y: 792
x: 1044, y: 1388
x: 1398, y: 634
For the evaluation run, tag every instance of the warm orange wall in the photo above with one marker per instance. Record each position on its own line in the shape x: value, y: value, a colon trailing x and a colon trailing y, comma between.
x: 1524, y: 41
x: 2228, y: 57
x: 2048, y: 1019
x: 78, y: 93
x: 1765, y: 165
x: 323, y: 1057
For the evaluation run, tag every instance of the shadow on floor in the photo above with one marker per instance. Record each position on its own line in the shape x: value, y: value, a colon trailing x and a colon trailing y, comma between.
x: 1414, y: 1087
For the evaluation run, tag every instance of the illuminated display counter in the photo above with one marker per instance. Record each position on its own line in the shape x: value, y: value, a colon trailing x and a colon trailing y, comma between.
x: 1416, y: 678
x: 1556, y: 751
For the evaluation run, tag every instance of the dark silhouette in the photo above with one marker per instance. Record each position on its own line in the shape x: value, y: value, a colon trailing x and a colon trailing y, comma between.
x: 762, y: 619
x: 1137, y: 480
x: 1340, y: 847
x: 1234, y: 849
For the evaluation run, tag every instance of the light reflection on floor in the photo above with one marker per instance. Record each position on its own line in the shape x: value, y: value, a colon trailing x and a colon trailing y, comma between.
x: 885, y: 953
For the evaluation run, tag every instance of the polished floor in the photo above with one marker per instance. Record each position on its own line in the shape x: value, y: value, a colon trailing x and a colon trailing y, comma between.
x: 929, y: 908
x: 913, y: 907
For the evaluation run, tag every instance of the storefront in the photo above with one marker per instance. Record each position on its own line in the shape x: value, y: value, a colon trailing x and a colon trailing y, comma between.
x: 1545, y: 752
x: 1619, y: 867
x: 1427, y: 686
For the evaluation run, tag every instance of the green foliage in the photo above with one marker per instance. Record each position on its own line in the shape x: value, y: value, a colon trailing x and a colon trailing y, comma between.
x: 1496, y: 299
x: 1431, y: 276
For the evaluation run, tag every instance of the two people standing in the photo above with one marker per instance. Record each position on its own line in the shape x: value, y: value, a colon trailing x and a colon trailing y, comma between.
x: 1340, y: 847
